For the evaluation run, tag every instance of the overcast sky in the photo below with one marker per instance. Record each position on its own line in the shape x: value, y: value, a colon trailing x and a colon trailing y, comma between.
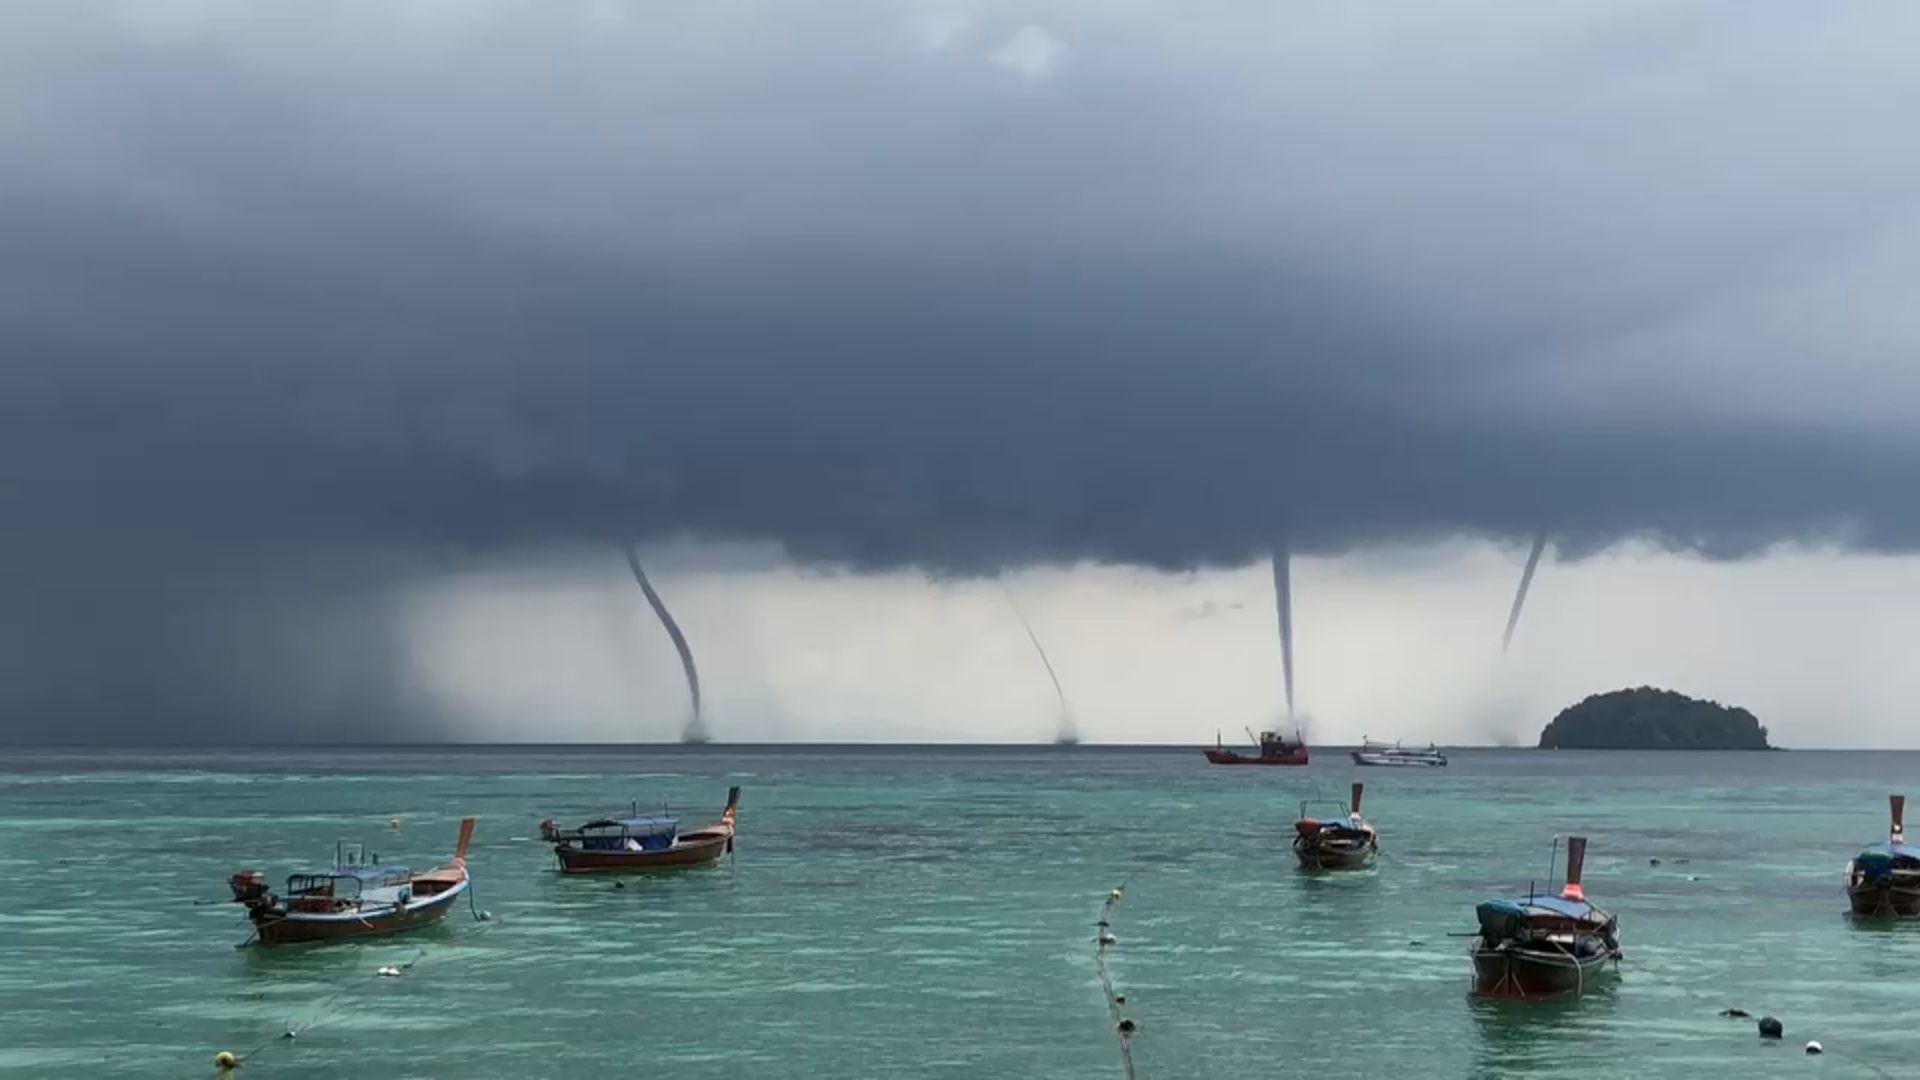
x: 317, y: 320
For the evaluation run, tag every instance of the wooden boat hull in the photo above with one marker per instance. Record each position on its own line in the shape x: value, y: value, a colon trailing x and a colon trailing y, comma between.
x: 1883, y: 900
x: 1531, y: 973
x: 694, y: 849
x: 1229, y: 757
x: 301, y: 928
x: 1314, y: 856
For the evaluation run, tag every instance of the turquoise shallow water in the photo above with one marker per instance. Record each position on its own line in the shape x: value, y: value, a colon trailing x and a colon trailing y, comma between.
x: 930, y: 913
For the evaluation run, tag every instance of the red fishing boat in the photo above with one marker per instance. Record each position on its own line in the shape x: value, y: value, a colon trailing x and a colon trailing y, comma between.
x: 1537, y: 946
x: 1884, y: 879
x: 1343, y: 842
x: 640, y: 843
x: 1272, y: 749
x: 356, y: 897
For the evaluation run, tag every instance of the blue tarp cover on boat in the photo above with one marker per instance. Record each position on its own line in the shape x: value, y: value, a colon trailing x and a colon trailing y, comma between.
x: 1573, y: 909
x: 1511, y: 918
x: 1877, y: 863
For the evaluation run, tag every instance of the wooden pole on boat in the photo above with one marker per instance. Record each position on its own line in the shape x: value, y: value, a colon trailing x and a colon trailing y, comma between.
x: 1576, y: 862
x: 1357, y: 788
x: 733, y: 803
x: 1898, y: 804
x: 466, y: 834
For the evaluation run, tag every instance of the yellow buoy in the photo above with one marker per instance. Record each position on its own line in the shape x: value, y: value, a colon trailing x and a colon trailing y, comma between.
x: 225, y: 1060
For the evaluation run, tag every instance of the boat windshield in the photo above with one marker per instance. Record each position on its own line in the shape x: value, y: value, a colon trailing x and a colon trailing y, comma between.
x: 346, y: 882
x: 343, y: 887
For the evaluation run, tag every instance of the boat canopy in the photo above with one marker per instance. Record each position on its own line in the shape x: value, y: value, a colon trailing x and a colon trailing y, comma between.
x: 1572, y: 909
x: 346, y: 880
x: 637, y: 826
x: 362, y: 873
x: 1514, y: 918
x: 1880, y: 862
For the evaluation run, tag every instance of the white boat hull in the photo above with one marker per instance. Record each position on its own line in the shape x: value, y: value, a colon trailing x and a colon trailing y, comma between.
x: 1398, y: 761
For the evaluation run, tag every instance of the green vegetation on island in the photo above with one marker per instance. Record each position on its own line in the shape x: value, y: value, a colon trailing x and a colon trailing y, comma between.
x: 1651, y: 719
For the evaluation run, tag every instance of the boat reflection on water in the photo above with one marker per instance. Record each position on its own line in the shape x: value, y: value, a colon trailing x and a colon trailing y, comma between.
x: 1544, y: 1037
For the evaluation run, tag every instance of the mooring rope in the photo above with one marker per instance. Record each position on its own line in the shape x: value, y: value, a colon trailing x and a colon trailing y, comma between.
x: 1122, y: 1027
x: 320, y: 1011
x: 1743, y: 1014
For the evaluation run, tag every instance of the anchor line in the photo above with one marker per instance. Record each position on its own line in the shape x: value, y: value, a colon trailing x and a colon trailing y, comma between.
x: 321, y: 1010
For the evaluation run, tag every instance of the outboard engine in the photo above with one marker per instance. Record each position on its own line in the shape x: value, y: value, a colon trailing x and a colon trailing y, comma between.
x: 249, y: 887
x: 548, y: 831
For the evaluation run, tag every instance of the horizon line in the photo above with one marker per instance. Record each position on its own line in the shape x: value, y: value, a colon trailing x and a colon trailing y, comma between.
x: 722, y: 745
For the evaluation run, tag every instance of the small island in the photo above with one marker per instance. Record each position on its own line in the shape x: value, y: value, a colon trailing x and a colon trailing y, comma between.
x: 1650, y: 719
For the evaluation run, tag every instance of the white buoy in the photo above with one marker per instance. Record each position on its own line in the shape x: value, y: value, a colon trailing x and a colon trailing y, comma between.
x: 1814, y: 1047
x: 389, y: 972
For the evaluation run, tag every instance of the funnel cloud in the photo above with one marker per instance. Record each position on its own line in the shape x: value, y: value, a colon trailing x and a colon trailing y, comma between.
x: 1520, y: 593
x: 356, y: 289
x: 696, y: 729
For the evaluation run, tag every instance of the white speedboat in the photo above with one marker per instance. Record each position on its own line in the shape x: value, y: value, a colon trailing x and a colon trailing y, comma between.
x: 1376, y: 753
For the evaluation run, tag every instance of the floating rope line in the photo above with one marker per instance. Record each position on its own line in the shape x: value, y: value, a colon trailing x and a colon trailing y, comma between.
x: 1122, y: 1026
x: 321, y: 1010
x: 1743, y: 1014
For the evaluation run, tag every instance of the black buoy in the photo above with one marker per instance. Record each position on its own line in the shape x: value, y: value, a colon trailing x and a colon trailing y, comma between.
x: 1653, y: 862
x: 619, y: 884
x: 1770, y: 1028
x: 1736, y: 1013
x: 1126, y: 1025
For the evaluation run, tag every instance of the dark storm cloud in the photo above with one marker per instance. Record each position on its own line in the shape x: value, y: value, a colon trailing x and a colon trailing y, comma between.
x: 295, y: 298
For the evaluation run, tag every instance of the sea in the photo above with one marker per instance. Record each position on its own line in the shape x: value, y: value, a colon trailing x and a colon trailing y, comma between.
x: 900, y: 912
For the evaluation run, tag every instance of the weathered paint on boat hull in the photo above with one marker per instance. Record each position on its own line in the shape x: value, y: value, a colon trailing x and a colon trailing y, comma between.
x: 1228, y: 757
x: 302, y: 929
x: 1530, y: 974
x: 692, y: 850
x: 1884, y: 901
x: 1317, y: 857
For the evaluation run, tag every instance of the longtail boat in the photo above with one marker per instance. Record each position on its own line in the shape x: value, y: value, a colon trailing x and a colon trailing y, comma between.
x: 639, y: 843
x: 355, y: 897
x: 1534, y: 946
x: 1345, y: 842
x: 1884, y: 879
x: 1272, y: 749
